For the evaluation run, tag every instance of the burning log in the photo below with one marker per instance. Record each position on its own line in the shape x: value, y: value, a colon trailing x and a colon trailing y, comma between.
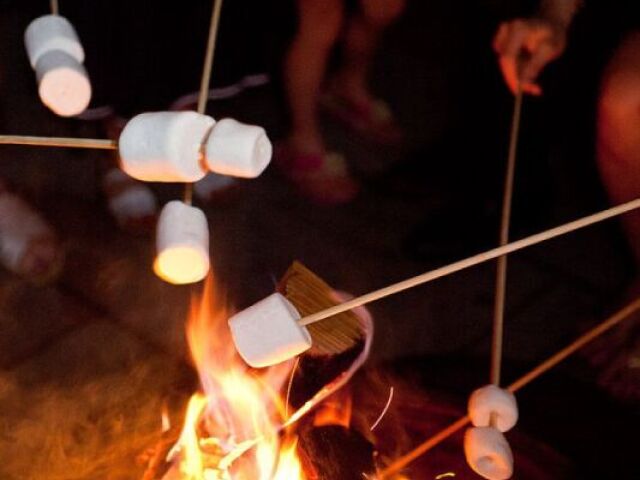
x: 334, y: 452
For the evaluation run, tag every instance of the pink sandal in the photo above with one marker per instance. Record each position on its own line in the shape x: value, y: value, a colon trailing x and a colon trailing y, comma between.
x: 28, y: 245
x: 324, y: 179
x: 372, y: 120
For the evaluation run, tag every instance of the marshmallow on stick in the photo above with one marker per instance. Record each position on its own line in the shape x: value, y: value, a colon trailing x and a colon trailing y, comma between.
x: 183, y: 146
x: 56, y: 54
x: 165, y: 146
x: 237, y: 149
x: 268, y: 333
x: 63, y: 83
x: 494, y: 402
x: 488, y: 453
x: 52, y: 33
x: 182, y: 241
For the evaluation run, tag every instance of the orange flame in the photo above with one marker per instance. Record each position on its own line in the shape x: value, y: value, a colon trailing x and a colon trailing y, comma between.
x: 336, y: 410
x: 231, y: 431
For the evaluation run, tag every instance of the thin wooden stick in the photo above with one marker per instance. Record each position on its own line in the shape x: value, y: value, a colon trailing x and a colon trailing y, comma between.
x: 92, y: 143
x: 527, y: 378
x: 55, y: 8
x: 205, y: 80
x: 501, y: 269
x: 208, y: 58
x: 472, y: 261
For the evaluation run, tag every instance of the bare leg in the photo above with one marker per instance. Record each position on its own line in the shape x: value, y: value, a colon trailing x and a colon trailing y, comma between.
x: 361, y: 41
x: 320, y: 22
x: 618, y: 150
x: 618, y: 141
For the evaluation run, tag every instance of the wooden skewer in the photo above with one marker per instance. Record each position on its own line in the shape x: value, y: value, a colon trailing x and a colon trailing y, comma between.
x: 55, y: 8
x: 527, y: 378
x: 92, y: 143
x: 472, y: 261
x: 205, y: 80
x: 501, y: 272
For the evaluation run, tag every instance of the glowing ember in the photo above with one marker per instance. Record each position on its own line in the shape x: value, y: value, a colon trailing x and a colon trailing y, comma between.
x: 232, y: 430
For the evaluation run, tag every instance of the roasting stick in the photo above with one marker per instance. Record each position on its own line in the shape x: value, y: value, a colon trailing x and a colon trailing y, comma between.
x: 65, y: 142
x: 527, y: 378
x: 55, y: 8
x: 505, y: 221
x: 205, y: 80
x: 473, y: 260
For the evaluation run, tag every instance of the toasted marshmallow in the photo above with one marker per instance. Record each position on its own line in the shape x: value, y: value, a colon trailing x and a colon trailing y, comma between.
x: 63, y: 83
x: 182, y: 243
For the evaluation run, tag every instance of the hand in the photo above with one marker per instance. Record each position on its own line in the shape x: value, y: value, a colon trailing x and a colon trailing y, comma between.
x: 524, y: 48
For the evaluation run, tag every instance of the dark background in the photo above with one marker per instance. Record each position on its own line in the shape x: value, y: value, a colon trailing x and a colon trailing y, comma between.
x: 108, y: 328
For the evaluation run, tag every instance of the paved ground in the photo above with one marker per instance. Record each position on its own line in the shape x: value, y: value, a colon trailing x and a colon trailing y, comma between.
x: 86, y: 363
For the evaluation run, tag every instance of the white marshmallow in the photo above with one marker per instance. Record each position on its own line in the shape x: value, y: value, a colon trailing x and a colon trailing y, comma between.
x: 182, y: 243
x: 164, y: 146
x: 488, y: 453
x: 19, y: 224
x: 268, y: 333
x: 127, y: 198
x: 237, y: 149
x: 493, y: 400
x: 63, y: 83
x: 52, y: 33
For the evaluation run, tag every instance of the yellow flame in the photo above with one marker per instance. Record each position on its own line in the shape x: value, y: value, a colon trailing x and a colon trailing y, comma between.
x: 289, y: 466
x: 192, y: 466
x: 231, y: 431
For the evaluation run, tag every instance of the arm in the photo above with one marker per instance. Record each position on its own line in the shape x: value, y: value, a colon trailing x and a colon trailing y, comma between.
x: 526, y: 45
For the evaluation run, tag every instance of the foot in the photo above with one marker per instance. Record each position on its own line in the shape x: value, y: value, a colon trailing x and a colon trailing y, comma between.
x: 321, y: 177
x: 366, y: 115
x: 28, y: 245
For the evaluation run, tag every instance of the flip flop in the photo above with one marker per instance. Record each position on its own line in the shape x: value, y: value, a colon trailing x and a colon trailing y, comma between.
x: 372, y: 120
x: 324, y: 179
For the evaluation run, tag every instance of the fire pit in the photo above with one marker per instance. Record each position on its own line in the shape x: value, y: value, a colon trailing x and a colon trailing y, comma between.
x: 307, y: 419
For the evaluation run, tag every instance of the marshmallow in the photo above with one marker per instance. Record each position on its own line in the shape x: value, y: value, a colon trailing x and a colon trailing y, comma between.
x: 490, y: 400
x: 268, y: 332
x: 52, y: 33
x: 164, y: 146
x: 237, y: 149
x: 488, y: 453
x: 63, y: 83
x: 19, y: 224
x: 127, y: 198
x: 182, y: 242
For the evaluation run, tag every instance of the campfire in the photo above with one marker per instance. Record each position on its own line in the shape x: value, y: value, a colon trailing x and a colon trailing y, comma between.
x: 242, y: 424
x: 308, y: 418
x: 234, y: 428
